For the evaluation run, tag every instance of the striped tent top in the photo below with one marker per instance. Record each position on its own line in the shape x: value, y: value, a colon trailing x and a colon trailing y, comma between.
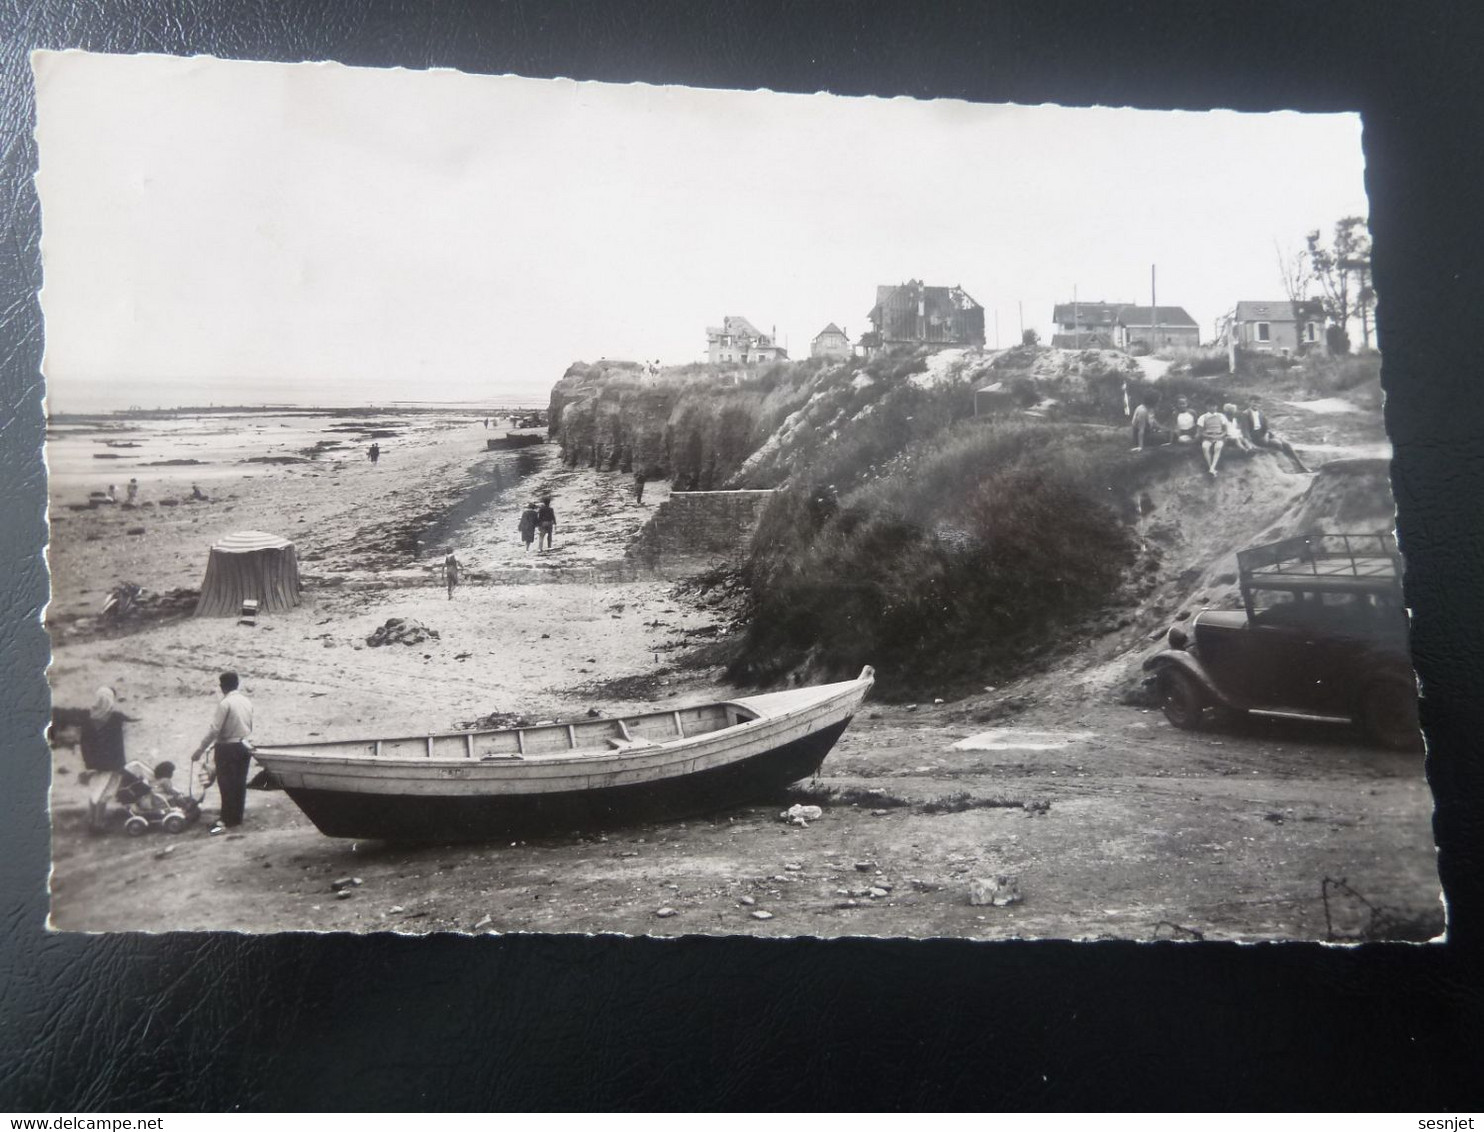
x: 243, y: 542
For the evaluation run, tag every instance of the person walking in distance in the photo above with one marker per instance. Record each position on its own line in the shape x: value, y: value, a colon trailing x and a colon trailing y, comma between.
x: 451, y: 572
x: 528, y: 526
x: 639, y: 481
x: 231, y: 728
x: 545, y: 524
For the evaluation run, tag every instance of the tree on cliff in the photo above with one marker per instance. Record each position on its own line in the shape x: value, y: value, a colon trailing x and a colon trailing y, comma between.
x: 1343, y: 272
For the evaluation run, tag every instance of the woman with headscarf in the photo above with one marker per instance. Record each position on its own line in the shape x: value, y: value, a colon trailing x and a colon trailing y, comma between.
x: 102, y: 741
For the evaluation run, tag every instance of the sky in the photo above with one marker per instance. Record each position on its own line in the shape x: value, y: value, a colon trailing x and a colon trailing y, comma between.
x: 241, y: 233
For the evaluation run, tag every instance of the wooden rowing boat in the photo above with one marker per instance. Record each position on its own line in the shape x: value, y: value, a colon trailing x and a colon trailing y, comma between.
x: 593, y: 773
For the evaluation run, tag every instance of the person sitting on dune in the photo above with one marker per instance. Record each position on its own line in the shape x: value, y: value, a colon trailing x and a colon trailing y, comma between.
x: 1234, y: 434
x: 1184, y: 422
x: 1146, y: 429
x: 1254, y: 424
x: 1212, y: 427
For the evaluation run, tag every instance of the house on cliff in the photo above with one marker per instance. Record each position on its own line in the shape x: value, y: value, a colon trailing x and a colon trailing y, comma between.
x: 831, y: 342
x: 737, y: 340
x: 912, y: 314
x: 1086, y: 326
x: 1120, y: 326
x: 1277, y: 327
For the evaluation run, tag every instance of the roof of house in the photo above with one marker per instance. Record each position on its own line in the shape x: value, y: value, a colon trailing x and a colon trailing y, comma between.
x: 1277, y: 310
x: 933, y: 298
x: 830, y: 329
x: 1117, y: 314
x: 735, y: 325
x: 1167, y: 316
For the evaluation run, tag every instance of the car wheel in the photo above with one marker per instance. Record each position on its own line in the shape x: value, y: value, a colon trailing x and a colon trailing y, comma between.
x: 1182, y: 698
x: 1389, y: 714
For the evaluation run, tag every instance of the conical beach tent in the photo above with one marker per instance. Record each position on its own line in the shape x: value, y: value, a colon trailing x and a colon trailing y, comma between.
x: 249, y: 566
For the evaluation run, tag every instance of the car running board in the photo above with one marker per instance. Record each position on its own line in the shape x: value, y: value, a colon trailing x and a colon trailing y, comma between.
x: 1305, y: 715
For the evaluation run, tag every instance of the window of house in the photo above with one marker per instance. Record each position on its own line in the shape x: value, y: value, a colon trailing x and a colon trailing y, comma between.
x: 1264, y: 332
x: 1310, y: 332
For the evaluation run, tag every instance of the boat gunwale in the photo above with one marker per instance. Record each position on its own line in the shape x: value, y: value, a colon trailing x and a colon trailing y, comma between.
x: 362, y: 774
x: 318, y: 752
x: 526, y: 730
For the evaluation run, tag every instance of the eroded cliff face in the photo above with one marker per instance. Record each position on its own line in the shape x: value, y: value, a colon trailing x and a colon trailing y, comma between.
x: 707, y: 428
x: 831, y: 421
x: 694, y: 425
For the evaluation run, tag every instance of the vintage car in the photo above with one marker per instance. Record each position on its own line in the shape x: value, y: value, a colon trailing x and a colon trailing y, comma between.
x: 1322, y: 636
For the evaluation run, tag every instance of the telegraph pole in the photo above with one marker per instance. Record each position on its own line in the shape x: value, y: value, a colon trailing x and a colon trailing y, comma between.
x: 1153, y: 312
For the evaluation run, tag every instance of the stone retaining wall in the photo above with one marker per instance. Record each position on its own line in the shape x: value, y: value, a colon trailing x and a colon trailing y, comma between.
x: 694, y: 528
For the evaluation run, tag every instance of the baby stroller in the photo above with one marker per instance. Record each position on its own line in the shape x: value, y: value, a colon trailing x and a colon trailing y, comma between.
x: 152, y: 799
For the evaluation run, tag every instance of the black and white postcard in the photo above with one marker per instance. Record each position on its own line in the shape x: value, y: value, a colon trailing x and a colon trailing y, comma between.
x: 503, y: 505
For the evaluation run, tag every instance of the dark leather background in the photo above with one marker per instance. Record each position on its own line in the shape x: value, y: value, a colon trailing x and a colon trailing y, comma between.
x: 221, y: 1022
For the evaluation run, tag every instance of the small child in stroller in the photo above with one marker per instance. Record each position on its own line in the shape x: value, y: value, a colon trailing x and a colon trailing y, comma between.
x: 153, y: 799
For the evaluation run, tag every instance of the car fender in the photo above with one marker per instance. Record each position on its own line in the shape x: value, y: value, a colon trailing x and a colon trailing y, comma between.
x: 1183, y: 660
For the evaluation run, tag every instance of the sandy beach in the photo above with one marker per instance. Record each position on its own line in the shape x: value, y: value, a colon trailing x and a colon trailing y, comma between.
x: 1112, y: 824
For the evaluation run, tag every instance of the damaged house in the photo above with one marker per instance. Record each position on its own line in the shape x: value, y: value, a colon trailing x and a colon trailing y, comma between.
x: 912, y: 314
x: 737, y: 340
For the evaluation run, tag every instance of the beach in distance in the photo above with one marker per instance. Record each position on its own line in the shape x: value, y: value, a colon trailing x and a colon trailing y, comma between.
x: 1112, y: 824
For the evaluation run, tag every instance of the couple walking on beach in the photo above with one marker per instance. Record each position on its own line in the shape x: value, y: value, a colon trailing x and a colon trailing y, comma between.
x: 538, y: 524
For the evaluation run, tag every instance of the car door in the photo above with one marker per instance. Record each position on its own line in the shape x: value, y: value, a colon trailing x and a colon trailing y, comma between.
x: 1287, y: 656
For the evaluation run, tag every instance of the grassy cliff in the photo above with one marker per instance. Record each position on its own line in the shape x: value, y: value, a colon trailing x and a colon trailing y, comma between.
x: 945, y: 548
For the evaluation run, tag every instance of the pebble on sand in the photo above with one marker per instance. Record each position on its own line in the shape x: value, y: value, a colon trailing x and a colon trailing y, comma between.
x: 800, y: 814
x: 997, y: 891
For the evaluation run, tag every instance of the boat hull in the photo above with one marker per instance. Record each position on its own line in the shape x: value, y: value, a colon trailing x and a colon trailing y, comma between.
x: 484, y: 816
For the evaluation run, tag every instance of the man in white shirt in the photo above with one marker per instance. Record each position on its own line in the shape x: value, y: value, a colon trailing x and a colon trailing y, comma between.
x: 231, y: 728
